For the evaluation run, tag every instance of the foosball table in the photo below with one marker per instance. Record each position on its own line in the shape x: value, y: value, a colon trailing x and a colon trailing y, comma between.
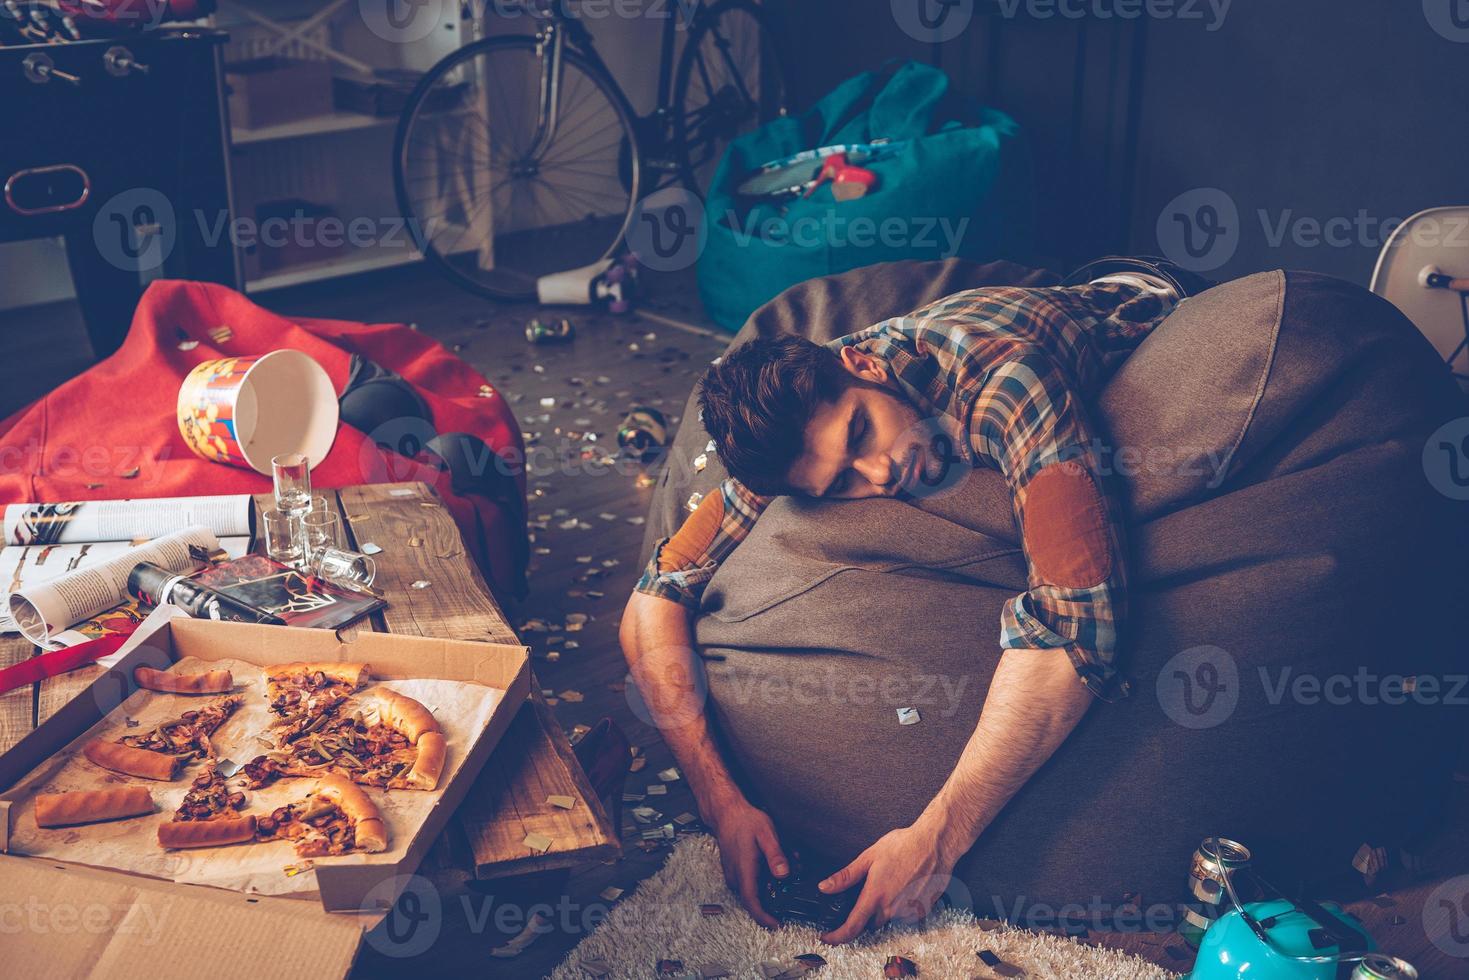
x: 116, y: 140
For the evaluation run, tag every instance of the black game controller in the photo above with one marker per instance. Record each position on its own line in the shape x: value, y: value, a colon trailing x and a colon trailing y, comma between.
x: 795, y: 898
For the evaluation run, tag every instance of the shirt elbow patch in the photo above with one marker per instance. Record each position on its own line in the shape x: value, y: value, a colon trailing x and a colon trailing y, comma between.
x: 1065, y: 528
x: 687, y: 548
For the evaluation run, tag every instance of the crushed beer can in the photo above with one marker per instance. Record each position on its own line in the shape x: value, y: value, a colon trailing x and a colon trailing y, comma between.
x: 1214, y: 858
x: 643, y: 433
x: 539, y: 331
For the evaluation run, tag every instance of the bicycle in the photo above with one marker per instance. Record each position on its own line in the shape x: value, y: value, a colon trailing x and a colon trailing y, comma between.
x: 520, y: 156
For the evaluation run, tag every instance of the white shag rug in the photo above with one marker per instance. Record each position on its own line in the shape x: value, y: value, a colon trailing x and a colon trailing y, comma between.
x: 661, y: 920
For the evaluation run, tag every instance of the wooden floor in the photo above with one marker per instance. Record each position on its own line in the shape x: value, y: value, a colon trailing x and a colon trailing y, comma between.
x: 585, y: 565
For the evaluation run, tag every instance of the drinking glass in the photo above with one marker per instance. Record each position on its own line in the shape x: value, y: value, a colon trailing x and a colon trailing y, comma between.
x: 344, y: 567
x: 323, y: 529
x: 292, y: 474
x: 283, y: 536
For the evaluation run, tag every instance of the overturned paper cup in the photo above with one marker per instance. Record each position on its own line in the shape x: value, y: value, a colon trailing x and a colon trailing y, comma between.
x: 242, y: 411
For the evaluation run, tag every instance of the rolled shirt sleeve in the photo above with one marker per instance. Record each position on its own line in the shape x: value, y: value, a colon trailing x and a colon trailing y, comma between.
x: 1027, y: 423
x: 683, y: 564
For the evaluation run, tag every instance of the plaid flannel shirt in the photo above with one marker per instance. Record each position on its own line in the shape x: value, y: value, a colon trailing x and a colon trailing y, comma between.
x: 1011, y: 370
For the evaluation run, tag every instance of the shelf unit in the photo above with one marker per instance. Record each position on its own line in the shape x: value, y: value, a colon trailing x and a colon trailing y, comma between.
x: 341, y: 161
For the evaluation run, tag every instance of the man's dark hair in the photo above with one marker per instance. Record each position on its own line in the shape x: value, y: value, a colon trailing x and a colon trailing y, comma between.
x: 758, y: 400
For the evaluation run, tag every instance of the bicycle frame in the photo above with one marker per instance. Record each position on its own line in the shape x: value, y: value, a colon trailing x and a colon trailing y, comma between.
x: 560, y: 28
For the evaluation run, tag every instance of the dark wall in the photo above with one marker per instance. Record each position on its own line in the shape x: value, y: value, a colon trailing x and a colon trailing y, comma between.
x: 1278, y: 134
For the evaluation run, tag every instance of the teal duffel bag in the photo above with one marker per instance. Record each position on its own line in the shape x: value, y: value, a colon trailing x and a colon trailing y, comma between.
x: 956, y: 181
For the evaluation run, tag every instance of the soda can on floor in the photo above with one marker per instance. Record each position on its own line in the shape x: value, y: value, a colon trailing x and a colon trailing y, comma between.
x: 539, y: 331
x: 643, y: 433
x: 1212, y: 860
x: 1380, y: 966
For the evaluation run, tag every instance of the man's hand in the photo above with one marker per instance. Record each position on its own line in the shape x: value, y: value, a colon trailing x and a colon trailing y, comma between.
x: 906, y: 871
x: 746, y: 837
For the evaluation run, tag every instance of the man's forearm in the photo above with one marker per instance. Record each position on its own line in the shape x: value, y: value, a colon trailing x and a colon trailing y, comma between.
x: 658, y: 643
x: 1034, y: 702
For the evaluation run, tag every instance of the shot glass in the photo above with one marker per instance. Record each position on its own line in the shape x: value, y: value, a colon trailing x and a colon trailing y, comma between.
x: 322, y: 529
x: 292, y: 475
x: 345, y: 568
x: 284, y: 536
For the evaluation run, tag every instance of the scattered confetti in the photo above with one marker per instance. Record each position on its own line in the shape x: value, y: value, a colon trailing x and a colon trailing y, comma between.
x: 695, y: 499
x: 908, y: 716
x: 539, y: 843
x: 188, y: 344
x: 684, y: 819
x: 700, y: 462
x: 571, y: 696
x: 368, y: 548
x: 221, y: 334
x: 644, y: 481
x: 670, y: 775
x: 422, y: 584
x: 638, y: 764
x: 131, y: 474
x: 610, y: 894
x: 638, y: 521
x: 657, y: 789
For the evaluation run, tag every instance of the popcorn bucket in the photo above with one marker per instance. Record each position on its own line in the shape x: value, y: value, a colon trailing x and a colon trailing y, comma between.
x: 242, y: 411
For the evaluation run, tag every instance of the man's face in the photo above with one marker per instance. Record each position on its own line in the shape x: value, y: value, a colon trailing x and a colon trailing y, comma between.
x: 868, y: 443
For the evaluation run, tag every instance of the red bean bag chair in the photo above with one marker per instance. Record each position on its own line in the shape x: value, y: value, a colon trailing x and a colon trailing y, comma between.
x: 85, y: 439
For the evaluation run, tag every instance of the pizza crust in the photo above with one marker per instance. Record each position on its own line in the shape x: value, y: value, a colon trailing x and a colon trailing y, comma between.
x: 405, y: 715
x: 92, y: 806
x: 206, y: 833
x: 130, y: 761
x: 368, y: 830
x: 168, y: 682
x: 430, y: 763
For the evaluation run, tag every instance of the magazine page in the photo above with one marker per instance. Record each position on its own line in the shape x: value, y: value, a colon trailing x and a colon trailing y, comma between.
x: 89, y: 521
x: 45, y: 609
x: 23, y: 566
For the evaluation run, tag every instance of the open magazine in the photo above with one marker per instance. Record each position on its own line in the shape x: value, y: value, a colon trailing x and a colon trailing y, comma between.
x: 64, y: 567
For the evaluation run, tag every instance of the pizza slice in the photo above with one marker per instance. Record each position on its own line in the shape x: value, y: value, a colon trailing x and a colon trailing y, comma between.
x: 387, y: 740
x: 305, y: 696
x: 162, y: 751
x: 211, y: 802
x: 335, y: 818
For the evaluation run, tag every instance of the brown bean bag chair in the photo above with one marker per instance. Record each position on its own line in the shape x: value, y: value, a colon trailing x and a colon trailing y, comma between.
x: 1272, y: 434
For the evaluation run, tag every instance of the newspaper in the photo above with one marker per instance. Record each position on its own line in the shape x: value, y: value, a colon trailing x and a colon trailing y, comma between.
x: 47, y: 542
x: 92, y: 521
x: 44, y: 610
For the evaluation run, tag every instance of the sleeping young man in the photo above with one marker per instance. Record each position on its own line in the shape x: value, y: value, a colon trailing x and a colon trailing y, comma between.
x: 999, y: 377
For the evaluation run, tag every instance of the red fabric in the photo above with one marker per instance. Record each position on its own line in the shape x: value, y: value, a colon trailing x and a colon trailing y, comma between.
x: 119, y: 415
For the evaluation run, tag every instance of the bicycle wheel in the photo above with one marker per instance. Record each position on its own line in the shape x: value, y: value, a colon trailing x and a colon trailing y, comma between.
x: 487, y: 205
x: 730, y: 79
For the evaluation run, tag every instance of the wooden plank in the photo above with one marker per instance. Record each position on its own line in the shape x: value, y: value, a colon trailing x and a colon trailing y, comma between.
x: 18, y: 707
x: 421, y: 543
x: 534, y: 759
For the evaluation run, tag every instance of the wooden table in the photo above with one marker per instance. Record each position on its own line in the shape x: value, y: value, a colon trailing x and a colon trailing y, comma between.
x: 534, y: 760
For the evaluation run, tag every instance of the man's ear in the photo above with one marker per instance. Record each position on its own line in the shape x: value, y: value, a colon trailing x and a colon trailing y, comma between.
x: 864, y: 365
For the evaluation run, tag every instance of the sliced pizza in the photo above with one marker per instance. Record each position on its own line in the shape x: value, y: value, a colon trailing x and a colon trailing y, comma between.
x: 335, y: 818
x: 208, y: 801
x: 387, y: 739
x: 297, y: 688
x: 162, y: 751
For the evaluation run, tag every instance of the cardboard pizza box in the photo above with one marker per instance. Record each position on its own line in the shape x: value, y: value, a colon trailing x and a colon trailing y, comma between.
x: 71, y: 919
